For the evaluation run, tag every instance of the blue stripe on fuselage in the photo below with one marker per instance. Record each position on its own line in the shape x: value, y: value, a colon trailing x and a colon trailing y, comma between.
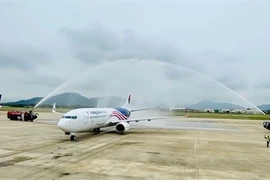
x: 123, y: 111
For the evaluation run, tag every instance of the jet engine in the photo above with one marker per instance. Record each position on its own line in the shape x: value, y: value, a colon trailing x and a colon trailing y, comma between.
x: 266, y: 125
x: 122, y: 127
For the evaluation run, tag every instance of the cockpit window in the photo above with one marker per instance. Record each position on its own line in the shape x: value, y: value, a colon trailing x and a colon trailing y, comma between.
x: 128, y: 113
x: 69, y: 117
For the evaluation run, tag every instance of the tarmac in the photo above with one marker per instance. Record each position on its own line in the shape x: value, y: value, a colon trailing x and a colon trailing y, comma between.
x: 174, y: 149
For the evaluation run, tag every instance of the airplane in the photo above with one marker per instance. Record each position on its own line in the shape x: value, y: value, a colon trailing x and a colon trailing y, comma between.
x: 88, y: 119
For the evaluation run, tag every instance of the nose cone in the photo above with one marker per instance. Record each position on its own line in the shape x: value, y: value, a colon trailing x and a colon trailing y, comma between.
x: 63, y: 125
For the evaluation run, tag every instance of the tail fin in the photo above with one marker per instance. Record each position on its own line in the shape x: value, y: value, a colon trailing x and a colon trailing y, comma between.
x: 0, y: 97
x: 127, y: 104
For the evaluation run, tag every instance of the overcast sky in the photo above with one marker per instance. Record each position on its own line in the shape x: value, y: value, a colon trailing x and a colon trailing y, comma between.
x: 45, y: 43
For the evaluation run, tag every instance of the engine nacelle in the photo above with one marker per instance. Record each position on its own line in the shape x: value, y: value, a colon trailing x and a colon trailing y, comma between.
x: 266, y: 125
x: 122, y: 127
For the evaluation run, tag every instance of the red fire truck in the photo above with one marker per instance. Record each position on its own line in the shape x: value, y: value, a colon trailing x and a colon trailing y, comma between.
x: 21, y: 115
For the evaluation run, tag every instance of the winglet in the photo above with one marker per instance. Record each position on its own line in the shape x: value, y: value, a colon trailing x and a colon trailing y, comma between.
x: 187, y: 114
x: 53, y: 109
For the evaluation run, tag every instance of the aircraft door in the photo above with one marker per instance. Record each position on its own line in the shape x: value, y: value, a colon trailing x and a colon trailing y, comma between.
x: 86, y: 118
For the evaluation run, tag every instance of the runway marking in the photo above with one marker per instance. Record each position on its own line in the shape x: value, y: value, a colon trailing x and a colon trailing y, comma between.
x: 194, y: 148
x: 193, y: 155
x: 72, y: 160
x: 109, y: 143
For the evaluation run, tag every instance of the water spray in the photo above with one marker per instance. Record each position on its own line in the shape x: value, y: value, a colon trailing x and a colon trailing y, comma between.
x: 219, y: 83
x: 136, y: 60
x: 69, y: 81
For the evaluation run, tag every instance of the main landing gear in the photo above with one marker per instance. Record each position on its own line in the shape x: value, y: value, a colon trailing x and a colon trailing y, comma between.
x: 72, y: 137
x: 96, y: 130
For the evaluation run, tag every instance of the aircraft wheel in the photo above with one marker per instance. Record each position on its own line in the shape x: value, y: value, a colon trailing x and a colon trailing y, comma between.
x: 97, y: 130
x: 73, y: 138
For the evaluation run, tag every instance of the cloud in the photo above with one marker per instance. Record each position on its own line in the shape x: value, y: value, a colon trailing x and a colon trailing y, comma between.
x: 176, y: 73
x: 22, y: 57
x: 263, y: 83
x: 96, y: 44
x: 226, y: 58
x: 39, y: 80
x: 233, y: 83
x: 96, y: 37
x: 182, y: 67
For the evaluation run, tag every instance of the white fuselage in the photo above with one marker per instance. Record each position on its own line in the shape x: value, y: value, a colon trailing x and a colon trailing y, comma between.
x: 85, y: 119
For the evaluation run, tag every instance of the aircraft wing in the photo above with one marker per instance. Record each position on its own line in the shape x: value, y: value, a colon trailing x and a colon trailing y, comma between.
x: 145, y: 109
x: 134, y: 110
x: 58, y: 113
x: 137, y: 120
x: 143, y: 119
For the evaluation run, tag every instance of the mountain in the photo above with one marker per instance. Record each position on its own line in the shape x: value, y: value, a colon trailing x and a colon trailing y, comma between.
x: 264, y: 107
x: 213, y: 105
x: 26, y: 102
x: 72, y: 99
